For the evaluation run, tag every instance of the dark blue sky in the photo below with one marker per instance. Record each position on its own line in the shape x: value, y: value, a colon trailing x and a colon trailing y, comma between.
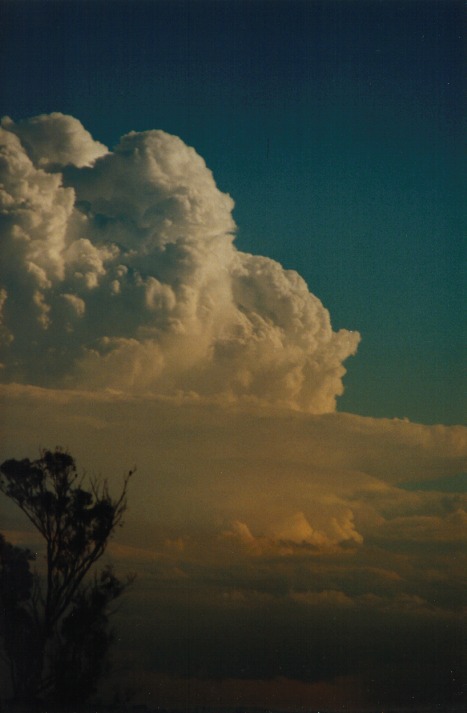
x: 335, y: 126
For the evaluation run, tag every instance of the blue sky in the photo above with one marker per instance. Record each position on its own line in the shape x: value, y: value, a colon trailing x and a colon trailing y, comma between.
x: 335, y: 126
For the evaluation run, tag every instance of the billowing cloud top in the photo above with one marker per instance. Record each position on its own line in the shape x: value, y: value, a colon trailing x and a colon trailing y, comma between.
x: 121, y: 272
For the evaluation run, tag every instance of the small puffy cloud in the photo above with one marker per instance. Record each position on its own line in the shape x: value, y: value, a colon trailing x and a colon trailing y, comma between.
x: 130, y: 253
x: 76, y: 304
x: 293, y: 534
x: 337, y: 529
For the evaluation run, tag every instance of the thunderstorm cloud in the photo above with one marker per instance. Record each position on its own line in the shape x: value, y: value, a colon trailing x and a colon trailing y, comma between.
x: 121, y: 272
x: 305, y: 556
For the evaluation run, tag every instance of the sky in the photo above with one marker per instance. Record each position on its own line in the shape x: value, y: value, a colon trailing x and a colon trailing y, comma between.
x: 335, y: 127
x: 232, y: 256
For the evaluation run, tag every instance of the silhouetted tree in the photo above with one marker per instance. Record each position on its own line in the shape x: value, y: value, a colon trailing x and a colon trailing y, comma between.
x: 65, y: 617
x: 18, y: 624
x: 85, y: 639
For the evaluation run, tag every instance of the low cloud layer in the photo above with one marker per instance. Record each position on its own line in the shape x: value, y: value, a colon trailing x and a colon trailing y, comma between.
x: 121, y: 273
x: 282, y: 558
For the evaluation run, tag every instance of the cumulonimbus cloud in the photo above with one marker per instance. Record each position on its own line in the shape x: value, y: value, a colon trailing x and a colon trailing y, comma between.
x: 121, y: 272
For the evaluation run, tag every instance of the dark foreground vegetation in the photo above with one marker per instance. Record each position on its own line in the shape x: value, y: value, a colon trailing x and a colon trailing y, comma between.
x: 54, y: 624
x: 229, y: 709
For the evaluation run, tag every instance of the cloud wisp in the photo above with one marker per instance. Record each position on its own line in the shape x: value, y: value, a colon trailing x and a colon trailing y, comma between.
x: 122, y: 273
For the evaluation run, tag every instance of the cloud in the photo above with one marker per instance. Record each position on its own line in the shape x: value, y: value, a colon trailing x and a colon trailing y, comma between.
x: 129, y: 254
x: 327, y: 598
x: 291, y: 548
x: 55, y: 140
x: 289, y: 478
x: 428, y: 529
x: 294, y: 532
x: 268, y: 543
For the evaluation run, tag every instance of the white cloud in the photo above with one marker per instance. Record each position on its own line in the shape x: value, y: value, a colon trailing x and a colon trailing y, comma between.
x: 291, y: 533
x: 56, y: 140
x: 338, y: 527
x: 130, y: 254
x: 212, y: 370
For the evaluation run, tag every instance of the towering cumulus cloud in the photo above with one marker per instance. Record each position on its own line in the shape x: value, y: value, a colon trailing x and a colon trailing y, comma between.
x: 121, y: 272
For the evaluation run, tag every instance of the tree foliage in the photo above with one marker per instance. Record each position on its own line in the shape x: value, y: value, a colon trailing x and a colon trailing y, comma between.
x: 85, y: 639
x: 64, y: 616
x: 18, y: 625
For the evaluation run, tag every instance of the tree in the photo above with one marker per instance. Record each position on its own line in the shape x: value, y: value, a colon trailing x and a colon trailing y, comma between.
x: 65, y: 615
x: 17, y: 622
x: 85, y: 639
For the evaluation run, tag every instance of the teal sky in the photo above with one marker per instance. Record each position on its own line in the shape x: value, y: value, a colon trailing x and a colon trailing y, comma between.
x: 335, y: 126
